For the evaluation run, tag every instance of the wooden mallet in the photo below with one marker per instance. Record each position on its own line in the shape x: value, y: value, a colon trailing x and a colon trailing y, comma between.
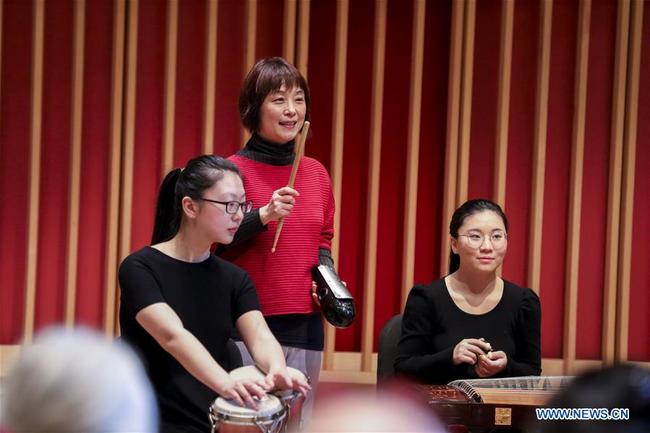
x: 299, y: 152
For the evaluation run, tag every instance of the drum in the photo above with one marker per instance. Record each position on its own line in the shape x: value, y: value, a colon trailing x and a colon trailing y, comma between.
x: 291, y: 399
x: 227, y: 416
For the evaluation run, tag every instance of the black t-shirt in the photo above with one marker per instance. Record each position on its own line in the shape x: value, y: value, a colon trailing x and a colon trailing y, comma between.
x: 433, y: 324
x: 208, y: 297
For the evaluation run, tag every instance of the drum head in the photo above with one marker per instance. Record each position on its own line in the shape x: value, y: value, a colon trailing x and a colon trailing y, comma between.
x: 269, y: 408
x: 247, y: 372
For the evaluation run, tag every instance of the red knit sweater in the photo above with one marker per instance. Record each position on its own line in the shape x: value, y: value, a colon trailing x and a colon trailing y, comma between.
x: 283, y: 279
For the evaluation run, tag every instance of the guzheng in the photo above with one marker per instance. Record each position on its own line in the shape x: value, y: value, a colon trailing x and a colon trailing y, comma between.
x: 480, y: 405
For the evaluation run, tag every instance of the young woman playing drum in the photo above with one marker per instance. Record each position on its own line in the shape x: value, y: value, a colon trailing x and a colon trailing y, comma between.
x: 179, y: 302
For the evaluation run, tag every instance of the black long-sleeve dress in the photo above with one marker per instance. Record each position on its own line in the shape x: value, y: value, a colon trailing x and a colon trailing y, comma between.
x: 433, y: 324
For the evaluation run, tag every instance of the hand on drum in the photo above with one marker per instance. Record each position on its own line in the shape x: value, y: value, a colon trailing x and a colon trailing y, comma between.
x: 279, y: 206
x: 244, y: 391
x: 469, y: 350
x: 491, y: 363
x: 288, y: 378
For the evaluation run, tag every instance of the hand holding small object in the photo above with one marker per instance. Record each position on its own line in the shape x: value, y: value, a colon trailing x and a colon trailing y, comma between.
x: 491, y: 363
x: 469, y: 350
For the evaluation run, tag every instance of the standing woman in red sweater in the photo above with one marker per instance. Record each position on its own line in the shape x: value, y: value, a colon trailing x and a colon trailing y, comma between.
x: 273, y: 105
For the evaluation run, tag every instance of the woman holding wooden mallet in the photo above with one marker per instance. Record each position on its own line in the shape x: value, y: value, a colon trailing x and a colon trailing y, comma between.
x: 274, y: 106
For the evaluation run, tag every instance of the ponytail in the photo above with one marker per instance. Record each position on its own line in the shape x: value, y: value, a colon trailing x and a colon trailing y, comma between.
x: 199, y: 174
x: 454, y: 262
x: 168, y: 212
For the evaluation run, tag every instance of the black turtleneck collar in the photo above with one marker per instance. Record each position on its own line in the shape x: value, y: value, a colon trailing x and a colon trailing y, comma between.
x: 264, y: 151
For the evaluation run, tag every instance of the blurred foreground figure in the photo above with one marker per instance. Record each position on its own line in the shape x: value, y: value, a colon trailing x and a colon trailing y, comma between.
x: 77, y: 381
x: 367, y: 412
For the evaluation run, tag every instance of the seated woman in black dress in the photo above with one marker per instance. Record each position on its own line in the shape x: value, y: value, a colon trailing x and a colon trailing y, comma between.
x: 471, y: 324
x: 179, y: 301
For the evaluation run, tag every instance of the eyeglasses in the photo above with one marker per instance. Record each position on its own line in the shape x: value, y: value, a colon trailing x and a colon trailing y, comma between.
x: 497, y: 239
x: 233, y: 206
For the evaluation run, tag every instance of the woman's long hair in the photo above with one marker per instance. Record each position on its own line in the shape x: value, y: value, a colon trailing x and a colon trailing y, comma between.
x: 198, y: 175
x: 467, y: 209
